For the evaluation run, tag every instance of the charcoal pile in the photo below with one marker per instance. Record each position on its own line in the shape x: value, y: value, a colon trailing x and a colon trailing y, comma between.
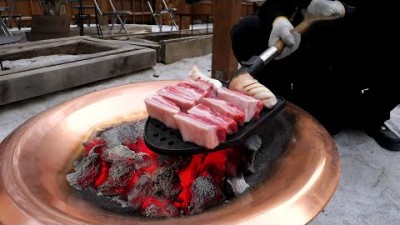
x: 118, y: 172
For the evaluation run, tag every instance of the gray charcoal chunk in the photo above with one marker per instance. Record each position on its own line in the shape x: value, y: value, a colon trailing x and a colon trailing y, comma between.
x: 160, y: 210
x: 204, y: 194
x: 118, y: 153
x: 118, y: 176
x: 138, y: 128
x: 118, y: 135
x: 166, y: 183
x: 144, y: 187
x: 85, y: 171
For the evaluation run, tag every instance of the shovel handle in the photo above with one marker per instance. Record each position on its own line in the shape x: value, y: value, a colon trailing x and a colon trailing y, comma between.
x: 256, y: 63
x: 304, y: 26
x: 242, y: 79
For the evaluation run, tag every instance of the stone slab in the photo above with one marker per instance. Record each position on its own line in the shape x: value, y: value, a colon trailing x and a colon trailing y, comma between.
x: 173, y: 50
x: 98, y: 59
x: 172, y: 46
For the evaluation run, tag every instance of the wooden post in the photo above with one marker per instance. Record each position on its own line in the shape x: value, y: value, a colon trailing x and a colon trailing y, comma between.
x: 226, y: 13
x: 184, y: 8
x: 31, y: 5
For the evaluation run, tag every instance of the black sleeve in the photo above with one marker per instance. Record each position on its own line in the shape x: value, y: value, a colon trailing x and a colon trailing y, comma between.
x: 274, y: 8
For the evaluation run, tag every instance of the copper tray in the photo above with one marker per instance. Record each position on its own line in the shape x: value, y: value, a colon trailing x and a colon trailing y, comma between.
x: 35, y: 157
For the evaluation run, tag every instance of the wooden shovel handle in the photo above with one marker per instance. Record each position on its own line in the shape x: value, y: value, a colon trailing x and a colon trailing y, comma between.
x: 304, y: 26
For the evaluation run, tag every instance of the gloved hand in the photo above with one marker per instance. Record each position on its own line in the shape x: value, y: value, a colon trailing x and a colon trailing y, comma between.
x: 326, y: 8
x: 282, y: 29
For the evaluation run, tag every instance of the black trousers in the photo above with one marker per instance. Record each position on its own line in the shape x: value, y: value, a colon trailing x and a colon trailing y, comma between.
x: 327, y: 75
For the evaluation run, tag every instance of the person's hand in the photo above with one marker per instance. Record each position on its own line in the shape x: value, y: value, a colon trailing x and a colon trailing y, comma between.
x: 283, y: 29
x: 326, y: 8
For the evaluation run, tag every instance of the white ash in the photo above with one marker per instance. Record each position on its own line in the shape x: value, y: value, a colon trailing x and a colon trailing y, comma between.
x: 138, y: 128
x: 252, y: 144
x: 236, y: 185
x: 166, y: 183
x: 204, y: 194
x: 142, y: 188
x: 118, y: 176
x: 117, y: 135
x: 83, y: 170
x: 118, y: 153
x: 123, y: 153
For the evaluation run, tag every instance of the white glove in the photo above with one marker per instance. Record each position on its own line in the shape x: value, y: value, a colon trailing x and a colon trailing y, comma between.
x: 326, y: 8
x: 282, y: 29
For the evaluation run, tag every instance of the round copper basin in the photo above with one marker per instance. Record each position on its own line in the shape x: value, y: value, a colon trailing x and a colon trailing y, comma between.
x: 36, y: 157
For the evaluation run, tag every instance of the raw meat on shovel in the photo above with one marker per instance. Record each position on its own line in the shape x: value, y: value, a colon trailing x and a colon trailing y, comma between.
x: 184, y: 100
x: 162, y: 109
x: 202, y: 110
x: 200, y: 85
x: 249, y: 105
x: 209, y: 115
x: 199, y: 130
x: 222, y: 107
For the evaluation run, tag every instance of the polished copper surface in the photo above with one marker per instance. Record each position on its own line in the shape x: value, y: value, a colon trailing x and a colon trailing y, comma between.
x: 35, y: 157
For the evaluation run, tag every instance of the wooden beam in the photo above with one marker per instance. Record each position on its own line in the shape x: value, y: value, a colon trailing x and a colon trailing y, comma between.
x: 226, y: 13
x: 183, y: 8
x: 111, y: 60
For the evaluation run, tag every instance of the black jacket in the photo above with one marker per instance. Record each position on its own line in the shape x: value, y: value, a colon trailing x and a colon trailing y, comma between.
x: 274, y: 8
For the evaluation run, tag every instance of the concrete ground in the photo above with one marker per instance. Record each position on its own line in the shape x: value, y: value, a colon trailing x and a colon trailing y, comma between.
x: 369, y: 187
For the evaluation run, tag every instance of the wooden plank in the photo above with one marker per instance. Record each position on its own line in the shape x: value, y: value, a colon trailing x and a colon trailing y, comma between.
x: 48, y: 27
x: 31, y: 7
x: 170, y: 46
x: 183, y: 8
x: 28, y: 84
x: 7, y: 50
x: 226, y: 13
x: 86, y: 47
x: 176, y: 49
x: 9, y: 39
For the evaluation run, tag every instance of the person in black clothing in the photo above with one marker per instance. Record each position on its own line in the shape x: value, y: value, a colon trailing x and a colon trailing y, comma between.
x: 326, y: 74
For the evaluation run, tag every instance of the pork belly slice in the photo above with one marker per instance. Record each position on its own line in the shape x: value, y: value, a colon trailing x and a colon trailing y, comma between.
x: 200, y: 131
x: 249, y: 105
x: 162, y: 109
x: 202, y: 110
x: 202, y: 86
x: 224, y: 108
x: 196, y: 93
x: 183, y: 100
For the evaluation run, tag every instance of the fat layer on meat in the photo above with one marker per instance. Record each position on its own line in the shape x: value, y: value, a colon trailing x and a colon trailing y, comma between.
x: 183, y: 100
x: 162, y: 109
x: 203, y: 133
x: 204, y: 86
x: 222, y: 107
x: 228, y: 123
x: 249, y: 105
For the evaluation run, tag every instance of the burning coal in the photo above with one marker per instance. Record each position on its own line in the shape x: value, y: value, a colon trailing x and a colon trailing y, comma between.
x: 118, y: 171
